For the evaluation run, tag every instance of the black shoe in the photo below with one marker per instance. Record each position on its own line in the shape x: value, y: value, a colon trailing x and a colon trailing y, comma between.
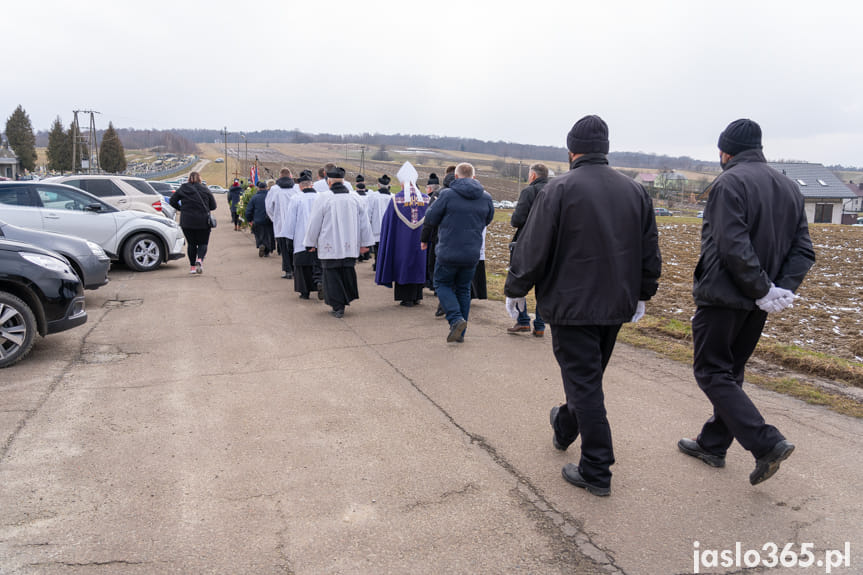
x: 262, y: 251
x: 319, y: 287
x: 440, y: 312
x: 407, y: 303
x: 339, y: 313
x: 571, y: 474
x: 558, y: 444
x: 456, y: 332
x: 690, y: 447
x: 304, y: 296
x: 768, y: 465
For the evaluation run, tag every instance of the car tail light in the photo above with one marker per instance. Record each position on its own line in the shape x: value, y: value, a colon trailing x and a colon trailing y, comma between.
x: 157, y: 206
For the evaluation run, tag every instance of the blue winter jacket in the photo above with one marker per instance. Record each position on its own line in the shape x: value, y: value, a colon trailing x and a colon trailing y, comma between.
x: 460, y: 213
x: 256, y: 211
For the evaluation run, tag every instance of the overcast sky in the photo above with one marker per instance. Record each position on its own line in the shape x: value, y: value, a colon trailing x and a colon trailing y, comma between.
x: 667, y: 75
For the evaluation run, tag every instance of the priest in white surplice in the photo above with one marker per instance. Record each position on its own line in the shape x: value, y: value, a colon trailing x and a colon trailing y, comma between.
x: 339, y: 231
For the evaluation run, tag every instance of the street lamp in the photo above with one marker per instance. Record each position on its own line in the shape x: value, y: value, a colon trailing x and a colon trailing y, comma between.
x: 246, y: 157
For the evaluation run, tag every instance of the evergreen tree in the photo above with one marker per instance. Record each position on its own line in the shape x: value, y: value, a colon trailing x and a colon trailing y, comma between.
x: 59, y: 148
x: 112, y: 156
x: 19, y: 132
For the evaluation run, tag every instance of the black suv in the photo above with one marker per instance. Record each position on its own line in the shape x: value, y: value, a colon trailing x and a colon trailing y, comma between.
x: 39, y: 293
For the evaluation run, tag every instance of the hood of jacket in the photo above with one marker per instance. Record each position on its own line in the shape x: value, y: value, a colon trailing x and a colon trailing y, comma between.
x: 467, y: 188
x: 285, y: 182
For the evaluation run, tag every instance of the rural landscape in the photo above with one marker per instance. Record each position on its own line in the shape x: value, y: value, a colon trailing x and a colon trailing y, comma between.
x: 813, y: 350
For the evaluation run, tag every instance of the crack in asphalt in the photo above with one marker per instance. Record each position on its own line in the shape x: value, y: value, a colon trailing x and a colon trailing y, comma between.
x: 530, y: 494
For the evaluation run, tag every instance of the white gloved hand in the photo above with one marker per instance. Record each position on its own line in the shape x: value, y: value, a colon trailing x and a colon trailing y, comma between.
x: 515, y: 305
x: 639, y: 312
x: 776, y: 300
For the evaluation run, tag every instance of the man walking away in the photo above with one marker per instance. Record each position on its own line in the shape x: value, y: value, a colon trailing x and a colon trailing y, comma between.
x: 278, y: 197
x: 339, y: 231
x: 460, y: 214
x: 262, y: 225
x: 590, y: 247
x: 537, y: 178
x: 234, y: 194
x: 307, y: 267
x: 755, y: 252
x: 401, y: 260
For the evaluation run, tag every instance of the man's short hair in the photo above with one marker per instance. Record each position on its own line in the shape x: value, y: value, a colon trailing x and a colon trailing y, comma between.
x: 450, y: 170
x: 464, y: 170
x: 432, y: 188
x: 285, y: 173
x: 322, y: 172
x: 541, y: 170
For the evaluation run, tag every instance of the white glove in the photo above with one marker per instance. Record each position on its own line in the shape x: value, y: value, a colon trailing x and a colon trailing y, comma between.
x: 776, y: 300
x: 639, y: 312
x: 515, y: 305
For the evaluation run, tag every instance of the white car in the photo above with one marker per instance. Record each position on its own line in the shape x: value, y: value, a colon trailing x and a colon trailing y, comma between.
x: 141, y: 241
x: 217, y: 189
x: 122, y: 192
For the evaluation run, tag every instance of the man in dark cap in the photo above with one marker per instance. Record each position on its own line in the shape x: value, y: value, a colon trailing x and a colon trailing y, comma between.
x: 755, y: 252
x: 590, y: 247
x: 339, y: 231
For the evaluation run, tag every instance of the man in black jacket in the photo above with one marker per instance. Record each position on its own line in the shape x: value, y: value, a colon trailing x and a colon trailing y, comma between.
x: 537, y: 178
x: 755, y: 252
x: 590, y: 247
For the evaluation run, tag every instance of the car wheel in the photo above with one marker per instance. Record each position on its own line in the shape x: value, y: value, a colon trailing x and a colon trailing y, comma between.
x: 17, y: 329
x: 143, y: 253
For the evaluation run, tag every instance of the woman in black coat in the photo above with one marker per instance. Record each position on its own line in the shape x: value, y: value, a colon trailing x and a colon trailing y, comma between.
x: 195, y: 202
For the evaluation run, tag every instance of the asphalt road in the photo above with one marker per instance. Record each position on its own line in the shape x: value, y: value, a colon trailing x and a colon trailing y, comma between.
x: 217, y: 424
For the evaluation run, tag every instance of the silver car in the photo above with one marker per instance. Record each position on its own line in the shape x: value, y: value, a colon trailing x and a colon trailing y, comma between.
x: 88, y: 260
x: 122, y: 192
x: 141, y: 241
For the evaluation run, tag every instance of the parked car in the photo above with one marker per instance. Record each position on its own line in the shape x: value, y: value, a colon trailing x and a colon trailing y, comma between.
x: 217, y: 189
x: 219, y: 160
x: 662, y: 212
x: 88, y: 260
x: 141, y: 241
x: 700, y: 214
x: 859, y: 222
x: 122, y: 192
x: 39, y: 293
x: 163, y: 188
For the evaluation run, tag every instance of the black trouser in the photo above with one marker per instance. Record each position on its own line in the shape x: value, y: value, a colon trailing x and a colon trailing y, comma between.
x: 196, y: 243
x: 724, y: 339
x: 286, y: 248
x: 264, y: 236
x: 583, y: 352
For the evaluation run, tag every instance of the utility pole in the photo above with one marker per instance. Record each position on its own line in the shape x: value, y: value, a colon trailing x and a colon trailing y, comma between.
x: 78, y: 142
x: 239, y: 158
x: 225, y: 134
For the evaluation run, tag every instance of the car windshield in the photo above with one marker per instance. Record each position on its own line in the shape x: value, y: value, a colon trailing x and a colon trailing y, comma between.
x: 142, y: 186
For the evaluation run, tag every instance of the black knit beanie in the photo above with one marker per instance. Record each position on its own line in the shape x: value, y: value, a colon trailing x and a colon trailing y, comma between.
x: 740, y: 135
x: 588, y: 135
x: 433, y: 179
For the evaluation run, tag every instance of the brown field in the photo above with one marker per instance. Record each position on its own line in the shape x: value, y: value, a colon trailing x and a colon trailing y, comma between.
x: 827, y: 319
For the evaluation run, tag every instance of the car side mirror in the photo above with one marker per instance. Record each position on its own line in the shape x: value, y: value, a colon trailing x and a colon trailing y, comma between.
x: 94, y: 207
